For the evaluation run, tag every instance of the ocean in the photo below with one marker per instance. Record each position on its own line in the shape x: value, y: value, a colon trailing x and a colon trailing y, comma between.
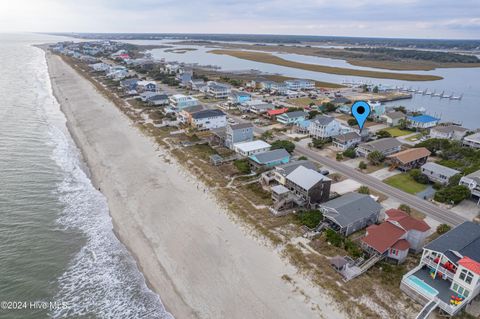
x: 59, y: 256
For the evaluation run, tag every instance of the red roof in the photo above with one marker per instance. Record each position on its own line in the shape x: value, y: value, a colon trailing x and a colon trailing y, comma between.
x: 277, y: 111
x: 402, y: 244
x: 470, y: 264
x: 406, y: 221
x: 383, y: 236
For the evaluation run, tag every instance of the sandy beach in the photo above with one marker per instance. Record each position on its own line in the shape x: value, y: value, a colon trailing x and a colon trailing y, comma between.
x: 200, y: 262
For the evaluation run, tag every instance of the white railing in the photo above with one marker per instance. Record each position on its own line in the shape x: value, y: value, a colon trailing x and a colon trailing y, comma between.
x: 441, y: 269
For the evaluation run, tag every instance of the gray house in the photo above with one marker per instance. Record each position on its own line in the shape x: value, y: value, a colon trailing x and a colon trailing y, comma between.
x: 438, y: 173
x: 386, y: 146
x: 351, y: 212
x: 237, y: 133
x: 472, y: 181
x: 309, y: 184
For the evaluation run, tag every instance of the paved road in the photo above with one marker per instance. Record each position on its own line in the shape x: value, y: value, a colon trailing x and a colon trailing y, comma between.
x: 440, y: 214
x: 437, y: 213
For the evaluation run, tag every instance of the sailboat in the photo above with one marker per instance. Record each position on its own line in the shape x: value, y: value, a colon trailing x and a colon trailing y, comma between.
x: 438, y: 94
x: 452, y: 97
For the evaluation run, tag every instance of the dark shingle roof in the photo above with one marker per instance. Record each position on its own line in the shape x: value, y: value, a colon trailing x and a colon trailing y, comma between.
x: 240, y: 126
x: 464, y: 239
x: 382, y: 144
x: 286, y: 169
x: 207, y: 113
x: 323, y: 120
x: 351, y: 207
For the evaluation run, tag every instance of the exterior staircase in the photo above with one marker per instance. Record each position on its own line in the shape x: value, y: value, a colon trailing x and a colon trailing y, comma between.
x: 356, y: 270
x: 427, y: 309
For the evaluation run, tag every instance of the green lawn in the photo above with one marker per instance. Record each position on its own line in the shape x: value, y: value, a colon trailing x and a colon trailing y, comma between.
x: 405, y: 183
x: 395, y: 132
x: 415, y: 137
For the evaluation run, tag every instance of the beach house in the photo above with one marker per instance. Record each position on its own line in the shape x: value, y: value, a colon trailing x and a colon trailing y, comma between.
x: 324, y: 127
x: 149, y: 86
x: 291, y: 118
x: 437, y: 173
x: 304, y: 187
x: 396, y: 236
x: 472, y: 140
x: 238, y: 97
x: 158, y: 99
x: 180, y: 101
x: 279, y: 173
x: 450, y: 132
x: 269, y: 159
x: 257, y: 106
x: 129, y: 84
x: 422, y: 121
x: 209, y: 119
x: 351, y: 212
x: 237, y: 133
x: 218, y: 90
x: 409, y: 159
x: 299, y: 84
x: 393, y: 118
x: 448, y: 274
x: 472, y: 181
x: 386, y: 146
x: 346, y: 140
x: 251, y: 148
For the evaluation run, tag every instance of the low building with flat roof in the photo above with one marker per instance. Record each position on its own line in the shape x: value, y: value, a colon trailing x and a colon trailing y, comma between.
x: 250, y: 148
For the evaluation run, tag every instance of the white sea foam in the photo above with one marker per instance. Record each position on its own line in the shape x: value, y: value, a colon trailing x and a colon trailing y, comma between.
x: 102, y: 280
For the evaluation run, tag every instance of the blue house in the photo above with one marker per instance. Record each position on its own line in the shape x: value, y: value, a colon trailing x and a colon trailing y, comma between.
x: 269, y: 159
x: 240, y: 97
x: 292, y: 117
x: 422, y: 121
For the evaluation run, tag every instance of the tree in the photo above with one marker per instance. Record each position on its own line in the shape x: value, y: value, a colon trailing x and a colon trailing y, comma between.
x: 318, y: 143
x: 401, y: 109
x: 352, y: 122
x: 312, y: 114
x: 309, y: 218
x: 443, y: 228
x: 405, y: 208
x: 454, y: 180
x: 383, y: 134
x: 333, y: 237
x: 288, y: 145
x: 417, y: 175
x: 376, y: 157
x: 402, y: 124
x: 364, y: 190
x: 350, y: 152
x: 375, y: 89
x: 362, y: 165
x: 267, y: 135
x: 302, y: 158
x: 339, y: 157
x: 329, y: 107
x: 452, y: 194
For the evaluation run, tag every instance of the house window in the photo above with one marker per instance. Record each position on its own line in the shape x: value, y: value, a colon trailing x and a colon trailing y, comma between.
x: 466, y: 276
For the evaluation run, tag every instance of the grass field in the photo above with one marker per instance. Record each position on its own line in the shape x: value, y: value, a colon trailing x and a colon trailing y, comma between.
x: 415, y: 137
x: 396, y: 132
x: 405, y: 183
x: 271, y: 59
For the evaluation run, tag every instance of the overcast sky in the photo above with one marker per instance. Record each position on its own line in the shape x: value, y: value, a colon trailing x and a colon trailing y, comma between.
x: 384, y: 18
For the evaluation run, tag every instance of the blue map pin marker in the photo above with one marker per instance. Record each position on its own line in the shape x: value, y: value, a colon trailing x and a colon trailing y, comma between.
x: 360, y: 111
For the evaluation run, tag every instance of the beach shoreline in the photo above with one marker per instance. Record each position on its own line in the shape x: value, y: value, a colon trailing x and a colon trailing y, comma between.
x: 214, y: 269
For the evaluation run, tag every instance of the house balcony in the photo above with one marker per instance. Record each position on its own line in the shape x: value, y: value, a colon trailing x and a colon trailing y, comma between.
x: 420, y: 286
x: 441, y: 270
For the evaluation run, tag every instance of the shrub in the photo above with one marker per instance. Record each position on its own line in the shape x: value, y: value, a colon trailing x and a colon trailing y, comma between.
x: 333, y: 237
x: 443, y: 228
x: 383, y: 134
x: 242, y: 166
x: 318, y: 143
x: 339, y: 157
x: 452, y: 194
x: 350, y: 152
x: 417, y: 175
x: 376, y: 157
x: 310, y: 218
x: 364, y: 190
x: 405, y: 208
x: 352, y: 122
x: 362, y: 165
x: 302, y: 158
x: 288, y: 145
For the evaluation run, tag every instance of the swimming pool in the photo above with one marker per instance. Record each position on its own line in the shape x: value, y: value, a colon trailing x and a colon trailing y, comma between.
x: 422, y: 285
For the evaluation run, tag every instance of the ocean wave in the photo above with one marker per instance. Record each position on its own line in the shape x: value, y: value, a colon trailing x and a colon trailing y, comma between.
x: 102, y: 280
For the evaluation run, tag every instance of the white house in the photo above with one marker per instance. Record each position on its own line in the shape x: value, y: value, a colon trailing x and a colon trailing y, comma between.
x: 146, y: 86
x: 438, y: 173
x: 100, y: 67
x: 323, y: 127
x: 181, y: 101
x: 300, y: 84
x: 393, y: 118
x: 472, y: 140
x: 472, y: 181
x: 422, y: 121
x: 251, y: 148
x: 450, y: 132
x: 218, y: 90
x: 209, y: 119
x: 347, y: 140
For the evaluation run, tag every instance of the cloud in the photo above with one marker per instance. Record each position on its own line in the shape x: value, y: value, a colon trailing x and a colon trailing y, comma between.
x: 398, y: 18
